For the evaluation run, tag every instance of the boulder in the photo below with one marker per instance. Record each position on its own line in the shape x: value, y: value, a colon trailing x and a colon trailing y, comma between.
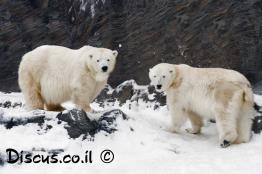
x: 79, y: 123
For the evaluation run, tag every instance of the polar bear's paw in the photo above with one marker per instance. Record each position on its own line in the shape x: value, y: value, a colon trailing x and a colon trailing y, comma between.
x: 228, y: 139
x: 193, y: 131
x: 225, y: 144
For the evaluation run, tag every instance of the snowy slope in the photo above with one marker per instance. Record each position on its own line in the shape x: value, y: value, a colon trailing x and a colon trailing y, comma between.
x: 147, y: 148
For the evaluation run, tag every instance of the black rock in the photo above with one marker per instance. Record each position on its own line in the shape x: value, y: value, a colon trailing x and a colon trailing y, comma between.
x: 258, y: 108
x: 107, y: 122
x: 9, y: 104
x: 14, y: 121
x: 257, y: 124
x: 79, y: 124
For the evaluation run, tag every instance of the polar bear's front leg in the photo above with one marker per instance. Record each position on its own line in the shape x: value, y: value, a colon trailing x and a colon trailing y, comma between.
x: 178, y: 118
x: 82, y: 100
x: 196, y: 122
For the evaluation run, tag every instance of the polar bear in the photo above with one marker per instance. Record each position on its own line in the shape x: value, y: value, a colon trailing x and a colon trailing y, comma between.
x: 50, y: 75
x: 212, y: 93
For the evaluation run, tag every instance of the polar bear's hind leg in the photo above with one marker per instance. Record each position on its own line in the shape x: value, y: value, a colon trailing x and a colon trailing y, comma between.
x: 31, y: 92
x: 227, y: 113
x: 245, y: 123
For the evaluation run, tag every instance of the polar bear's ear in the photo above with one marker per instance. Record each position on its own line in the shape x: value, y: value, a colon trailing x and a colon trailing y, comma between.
x: 115, y: 53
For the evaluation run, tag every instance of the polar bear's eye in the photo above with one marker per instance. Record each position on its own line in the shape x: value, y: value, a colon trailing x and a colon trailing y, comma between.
x: 154, y: 76
x: 164, y: 76
x: 108, y: 60
x: 97, y: 60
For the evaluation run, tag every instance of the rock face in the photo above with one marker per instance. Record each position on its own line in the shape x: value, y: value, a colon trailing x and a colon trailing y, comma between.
x: 197, y: 32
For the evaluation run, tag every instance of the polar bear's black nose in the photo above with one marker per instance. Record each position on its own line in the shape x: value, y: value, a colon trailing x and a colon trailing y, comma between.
x: 158, y: 86
x: 104, y: 68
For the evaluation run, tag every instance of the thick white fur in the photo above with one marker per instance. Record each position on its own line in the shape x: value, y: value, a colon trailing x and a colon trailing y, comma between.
x: 51, y: 75
x: 213, y: 93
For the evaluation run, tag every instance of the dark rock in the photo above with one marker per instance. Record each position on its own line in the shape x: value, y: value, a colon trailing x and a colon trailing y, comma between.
x: 257, y: 122
x: 9, y: 104
x: 200, y: 33
x: 15, y: 121
x: 79, y: 124
x: 130, y: 92
x: 258, y: 108
x: 39, y: 3
x: 107, y: 122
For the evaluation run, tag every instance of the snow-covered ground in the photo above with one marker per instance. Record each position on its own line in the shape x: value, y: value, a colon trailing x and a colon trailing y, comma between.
x: 141, y: 145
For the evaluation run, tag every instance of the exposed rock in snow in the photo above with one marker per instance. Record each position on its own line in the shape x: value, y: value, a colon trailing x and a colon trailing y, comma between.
x: 131, y: 94
x: 79, y: 122
x: 19, y: 121
x: 257, y: 122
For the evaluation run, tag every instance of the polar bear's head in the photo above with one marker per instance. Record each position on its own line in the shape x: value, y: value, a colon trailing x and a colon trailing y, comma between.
x: 162, y: 76
x: 101, y: 61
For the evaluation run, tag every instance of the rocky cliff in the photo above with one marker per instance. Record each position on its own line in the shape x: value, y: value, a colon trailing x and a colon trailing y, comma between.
x: 204, y: 33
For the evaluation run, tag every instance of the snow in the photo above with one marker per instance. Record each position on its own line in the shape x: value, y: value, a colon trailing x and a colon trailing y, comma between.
x: 84, y: 4
x: 92, y: 9
x: 149, y: 148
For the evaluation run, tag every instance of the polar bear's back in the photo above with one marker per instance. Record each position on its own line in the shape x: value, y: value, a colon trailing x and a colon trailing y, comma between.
x: 49, y: 53
x: 48, y: 58
x: 217, y: 74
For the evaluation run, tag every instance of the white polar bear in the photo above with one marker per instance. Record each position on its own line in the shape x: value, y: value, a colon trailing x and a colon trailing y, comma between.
x: 51, y: 75
x: 213, y: 93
